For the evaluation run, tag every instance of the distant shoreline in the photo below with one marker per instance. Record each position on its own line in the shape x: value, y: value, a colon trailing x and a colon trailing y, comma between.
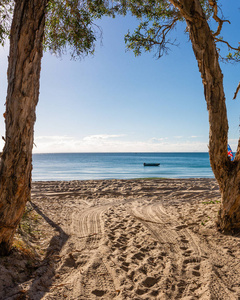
x: 160, y: 179
x: 133, y: 152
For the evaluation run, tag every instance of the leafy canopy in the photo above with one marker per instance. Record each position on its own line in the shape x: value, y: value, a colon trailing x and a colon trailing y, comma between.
x: 159, y: 17
x: 70, y: 26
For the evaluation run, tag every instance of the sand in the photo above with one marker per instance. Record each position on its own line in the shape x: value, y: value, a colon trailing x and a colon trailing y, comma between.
x: 125, y: 239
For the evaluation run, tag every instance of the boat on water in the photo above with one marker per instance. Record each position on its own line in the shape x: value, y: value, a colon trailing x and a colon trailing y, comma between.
x: 151, y: 164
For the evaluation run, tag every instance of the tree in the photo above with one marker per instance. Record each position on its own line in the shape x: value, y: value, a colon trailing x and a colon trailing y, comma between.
x: 158, y: 18
x: 62, y: 24
x: 57, y: 24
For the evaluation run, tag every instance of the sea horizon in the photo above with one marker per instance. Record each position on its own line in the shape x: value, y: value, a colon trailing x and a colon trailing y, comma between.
x: 111, y: 152
x: 119, y: 165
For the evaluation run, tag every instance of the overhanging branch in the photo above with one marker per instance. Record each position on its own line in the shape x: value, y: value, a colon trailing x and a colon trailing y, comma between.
x: 220, y: 22
x: 238, y: 88
x: 225, y: 42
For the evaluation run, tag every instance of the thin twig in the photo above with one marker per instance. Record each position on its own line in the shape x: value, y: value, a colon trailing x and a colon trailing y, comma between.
x: 225, y: 42
x: 238, y: 88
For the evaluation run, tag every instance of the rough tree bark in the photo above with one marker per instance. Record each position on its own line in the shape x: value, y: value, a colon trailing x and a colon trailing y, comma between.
x: 226, y: 172
x: 22, y: 96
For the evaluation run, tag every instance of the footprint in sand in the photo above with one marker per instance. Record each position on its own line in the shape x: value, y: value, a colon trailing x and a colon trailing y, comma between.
x: 149, y: 281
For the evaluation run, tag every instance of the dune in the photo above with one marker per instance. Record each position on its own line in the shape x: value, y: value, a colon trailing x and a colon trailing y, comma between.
x: 126, y: 239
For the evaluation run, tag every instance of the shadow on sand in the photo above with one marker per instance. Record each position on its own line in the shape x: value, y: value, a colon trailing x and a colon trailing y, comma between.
x: 43, y: 276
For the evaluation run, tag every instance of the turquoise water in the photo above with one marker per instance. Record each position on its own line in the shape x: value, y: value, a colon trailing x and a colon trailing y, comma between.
x: 85, y: 166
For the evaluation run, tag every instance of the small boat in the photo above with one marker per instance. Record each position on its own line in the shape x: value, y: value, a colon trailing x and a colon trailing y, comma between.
x: 151, y: 165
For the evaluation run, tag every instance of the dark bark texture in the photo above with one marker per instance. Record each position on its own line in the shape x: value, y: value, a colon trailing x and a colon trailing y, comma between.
x: 225, y: 171
x: 22, y: 96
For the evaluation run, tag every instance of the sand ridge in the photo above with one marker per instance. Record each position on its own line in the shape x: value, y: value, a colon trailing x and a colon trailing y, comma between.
x: 130, y: 239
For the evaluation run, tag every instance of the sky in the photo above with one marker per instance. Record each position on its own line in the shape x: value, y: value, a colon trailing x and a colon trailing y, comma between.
x: 116, y: 102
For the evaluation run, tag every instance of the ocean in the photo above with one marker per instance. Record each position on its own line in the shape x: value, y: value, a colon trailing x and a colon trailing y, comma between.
x: 86, y: 166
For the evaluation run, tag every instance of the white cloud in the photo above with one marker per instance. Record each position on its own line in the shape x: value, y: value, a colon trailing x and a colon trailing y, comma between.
x: 157, y: 140
x: 113, y: 143
x: 101, y: 137
x: 53, y: 138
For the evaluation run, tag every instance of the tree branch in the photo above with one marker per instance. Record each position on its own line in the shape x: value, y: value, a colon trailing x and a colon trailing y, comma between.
x: 238, y: 88
x: 163, y: 34
x: 180, y: 7
x: 225, y: 42
x: 220, y: 22
x: 146, y: 36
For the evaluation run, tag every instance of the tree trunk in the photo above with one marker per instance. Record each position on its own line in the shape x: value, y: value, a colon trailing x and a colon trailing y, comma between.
x: 225, y: 171
x: 22, y: 96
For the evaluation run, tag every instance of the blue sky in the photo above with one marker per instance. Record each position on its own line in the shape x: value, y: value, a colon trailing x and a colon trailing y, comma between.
x: 114, y: 102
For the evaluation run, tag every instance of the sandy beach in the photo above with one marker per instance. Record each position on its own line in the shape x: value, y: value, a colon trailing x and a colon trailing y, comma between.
x: 124, y: 239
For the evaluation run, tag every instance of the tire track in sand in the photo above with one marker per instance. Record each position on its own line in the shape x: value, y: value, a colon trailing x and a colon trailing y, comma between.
x: 187, y: 265
x: 83, y: 272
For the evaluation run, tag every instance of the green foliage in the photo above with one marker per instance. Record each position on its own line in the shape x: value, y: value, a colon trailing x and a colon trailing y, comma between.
x: 212, y: 202
x: 29, y: 222
x: 149, y: 36
x: 205, y: 221
x: 233, y: 56
x: 157, y: 20
x: 69, y: 26
x: 150, y: 9
x: 6, y: 9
